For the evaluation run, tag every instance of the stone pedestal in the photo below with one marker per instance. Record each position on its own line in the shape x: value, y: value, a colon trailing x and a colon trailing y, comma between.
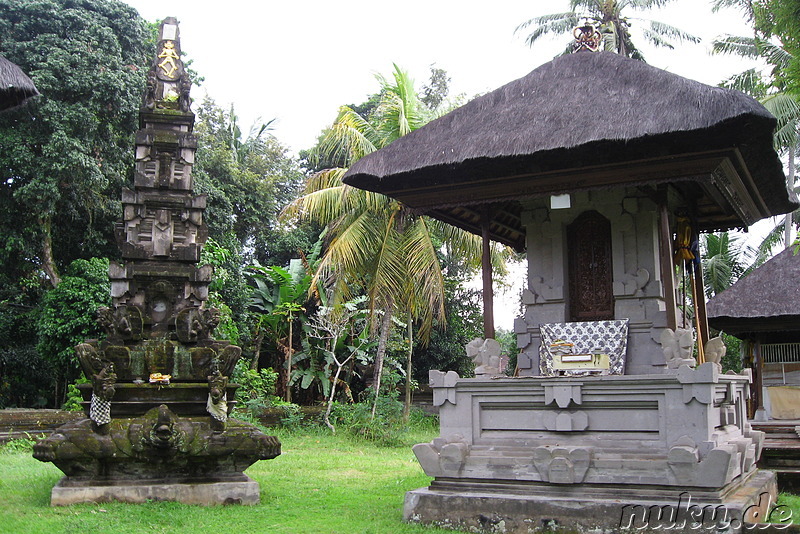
x: 536, y: 452
x: 244, y: 491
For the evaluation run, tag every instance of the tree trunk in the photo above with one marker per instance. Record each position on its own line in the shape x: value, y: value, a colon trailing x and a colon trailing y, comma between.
x: 48, y: 263
x: 327, y: 418
x: 289, y: 365
x: 257, y: 349
x: 407, y: 403
x: 386, y: 326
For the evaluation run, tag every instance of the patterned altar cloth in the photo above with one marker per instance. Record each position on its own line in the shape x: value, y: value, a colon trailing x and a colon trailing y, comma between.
x: 589, y: 337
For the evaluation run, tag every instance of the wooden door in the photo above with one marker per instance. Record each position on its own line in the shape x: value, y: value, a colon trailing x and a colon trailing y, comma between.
x: 591, y: 294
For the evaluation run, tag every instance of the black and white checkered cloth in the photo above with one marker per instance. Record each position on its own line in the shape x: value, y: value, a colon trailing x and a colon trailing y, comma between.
x: 100, y: 410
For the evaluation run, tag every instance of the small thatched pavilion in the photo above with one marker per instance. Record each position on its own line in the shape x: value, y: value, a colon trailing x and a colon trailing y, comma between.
x: 15, y: 86
x: 604, y: 170
x: 763, y: 309
x: 625, y: 139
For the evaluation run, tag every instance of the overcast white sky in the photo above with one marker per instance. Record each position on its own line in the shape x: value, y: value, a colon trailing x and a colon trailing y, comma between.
x: 298, y: 61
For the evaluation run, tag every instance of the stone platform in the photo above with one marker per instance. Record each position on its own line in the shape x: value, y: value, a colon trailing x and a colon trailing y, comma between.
x: 578, y: 453
x: 526, y: 508
x: 243, y: 491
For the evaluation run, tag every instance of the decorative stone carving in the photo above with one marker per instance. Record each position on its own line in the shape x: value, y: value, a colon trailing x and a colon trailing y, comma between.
x: 562, y: 465
x: 442, y: 456
x: 196, y: 324
x: 217, y: 404
x: 562, y: 395
x: 678, y: 345
x: 714, y: 350
x: 486, y: 356
x: 444, y: 386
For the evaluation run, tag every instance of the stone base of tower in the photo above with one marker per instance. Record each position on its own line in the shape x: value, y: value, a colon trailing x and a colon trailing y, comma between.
x: 245, y: 491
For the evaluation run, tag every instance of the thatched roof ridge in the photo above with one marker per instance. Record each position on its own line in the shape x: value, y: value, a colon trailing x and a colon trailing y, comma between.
x: 769, y: 292
x: 15, y: 86
x: 586, y: 107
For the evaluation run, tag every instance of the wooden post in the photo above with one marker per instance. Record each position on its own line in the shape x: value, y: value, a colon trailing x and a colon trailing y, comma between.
x: 700, y: 304
x: 486, y: 270
x: 667, y: 265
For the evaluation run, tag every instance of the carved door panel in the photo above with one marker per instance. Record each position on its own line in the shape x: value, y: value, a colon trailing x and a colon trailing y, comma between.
x: 591, y: 295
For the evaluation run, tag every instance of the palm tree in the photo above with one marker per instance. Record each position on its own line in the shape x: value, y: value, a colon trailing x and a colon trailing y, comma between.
x: 607, y: 16
x: 377, y: 244
x: 771, y: 92
x: 726, y: 258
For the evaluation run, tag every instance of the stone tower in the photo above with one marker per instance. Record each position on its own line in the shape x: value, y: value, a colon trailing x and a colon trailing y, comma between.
x: 159, y: 397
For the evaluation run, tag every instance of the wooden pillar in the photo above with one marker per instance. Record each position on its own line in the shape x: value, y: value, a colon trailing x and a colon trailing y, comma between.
x: 700, y: 304
x: 667, y: 265
x: 486, y: 271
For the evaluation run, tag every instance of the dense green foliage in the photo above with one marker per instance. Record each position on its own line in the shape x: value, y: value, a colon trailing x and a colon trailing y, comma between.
x: 64, y: 156
x: 248, y: 179
x: 67, y: 315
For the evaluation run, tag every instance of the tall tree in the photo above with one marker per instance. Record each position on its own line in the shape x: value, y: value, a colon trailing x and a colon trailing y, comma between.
x: 249, y: 179
x: 65, y: 154
x: 774, y: 89
x: 378, y: 245
x: 609, y: 17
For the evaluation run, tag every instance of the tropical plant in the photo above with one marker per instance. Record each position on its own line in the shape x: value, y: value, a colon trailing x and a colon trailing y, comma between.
x: 377, y: 245
x: 608, y: 16
x: 248, y: 180
x: 770, y: 89
x: 67, y: 317
x: 339, y: 334
x: 726, y: 257
x: 280, y: 298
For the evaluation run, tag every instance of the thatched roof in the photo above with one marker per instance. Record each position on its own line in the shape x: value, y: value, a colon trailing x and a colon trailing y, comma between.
x: 766, y: 299
x: 15, y: 86
x: 581, y: 121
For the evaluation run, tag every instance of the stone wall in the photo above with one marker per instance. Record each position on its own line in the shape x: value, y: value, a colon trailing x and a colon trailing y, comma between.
x: 637, y: 285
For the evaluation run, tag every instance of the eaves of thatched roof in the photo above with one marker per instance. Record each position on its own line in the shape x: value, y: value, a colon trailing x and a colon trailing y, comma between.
x: 15, y: 86
x: 583, y: 121
x: 767, y: 299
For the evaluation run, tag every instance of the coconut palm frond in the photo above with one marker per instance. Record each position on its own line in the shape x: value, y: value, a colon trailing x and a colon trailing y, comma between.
x: 749, y: 82
x: 775, y: 55
x: 671, y: 32
x: 786, y: 109
x: 426, y: 282
x: 732, y: 44
x: 557, y: 23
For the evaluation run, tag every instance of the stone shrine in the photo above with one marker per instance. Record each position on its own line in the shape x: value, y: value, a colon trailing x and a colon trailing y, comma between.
x: 160, y: 395
x: 604, y: 169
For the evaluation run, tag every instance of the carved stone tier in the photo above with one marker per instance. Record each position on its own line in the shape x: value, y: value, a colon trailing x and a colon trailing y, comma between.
x: 136, y: 362
x: 590, y: 437
x: 157, y: 448
x: 183, y: 398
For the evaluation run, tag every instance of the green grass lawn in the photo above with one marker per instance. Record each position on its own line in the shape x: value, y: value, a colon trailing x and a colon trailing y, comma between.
x: 320, y: 484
